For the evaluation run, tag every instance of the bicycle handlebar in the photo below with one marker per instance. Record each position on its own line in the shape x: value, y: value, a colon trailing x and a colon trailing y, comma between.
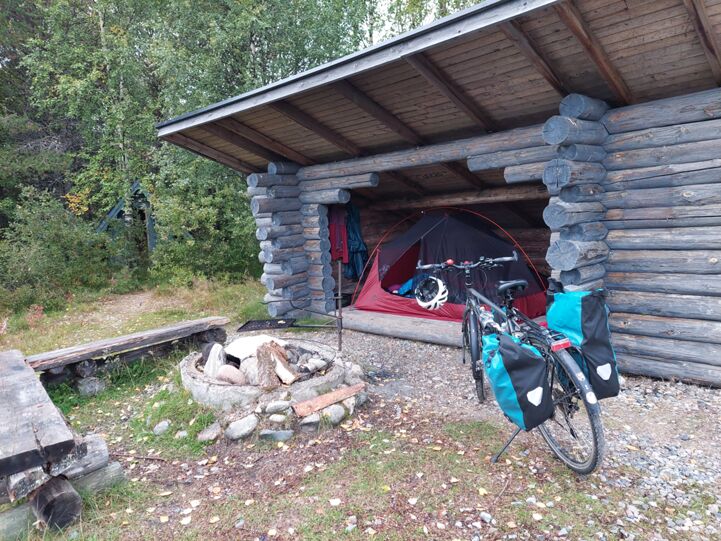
x: 485, y: 262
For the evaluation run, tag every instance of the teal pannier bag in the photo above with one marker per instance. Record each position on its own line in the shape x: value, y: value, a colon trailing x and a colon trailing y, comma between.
x: 518, y: 376
x: 583, y: 317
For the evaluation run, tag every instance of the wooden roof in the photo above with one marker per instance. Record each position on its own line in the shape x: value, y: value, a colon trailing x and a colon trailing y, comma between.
x: 499, y: 65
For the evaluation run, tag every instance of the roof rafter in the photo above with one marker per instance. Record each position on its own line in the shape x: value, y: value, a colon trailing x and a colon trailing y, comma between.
x: 240, y: 142
x: 263, y: 140
x: 204, y: 150
x: 446, y: 86
x: 572, y: 18
x: 709, y: 39
x: 391, y: 121
x: 515, y: 33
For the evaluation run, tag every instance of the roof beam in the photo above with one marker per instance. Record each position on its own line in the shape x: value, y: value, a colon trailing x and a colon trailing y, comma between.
x: 263, y: 140
x: 572, y: 18
x: 204, y: 150
x: 321, y: 130
x: 709, y: 39
x: 464, y: 173
x: 446, y: 86
x: 407, y: 182
x: 515, y: 33
x: 240, y: 142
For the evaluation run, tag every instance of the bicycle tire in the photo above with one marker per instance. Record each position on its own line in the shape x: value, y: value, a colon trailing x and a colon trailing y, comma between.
x: 471, y: 341
x: 567, y: 363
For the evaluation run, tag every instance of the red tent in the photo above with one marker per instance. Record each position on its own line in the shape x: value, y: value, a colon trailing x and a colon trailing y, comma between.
x: 436, y: 237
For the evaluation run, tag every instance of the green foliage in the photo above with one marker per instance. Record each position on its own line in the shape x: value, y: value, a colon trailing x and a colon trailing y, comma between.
x: 48, y: 252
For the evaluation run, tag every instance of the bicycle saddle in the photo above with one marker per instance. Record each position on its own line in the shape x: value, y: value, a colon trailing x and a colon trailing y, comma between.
x: 510, y: 285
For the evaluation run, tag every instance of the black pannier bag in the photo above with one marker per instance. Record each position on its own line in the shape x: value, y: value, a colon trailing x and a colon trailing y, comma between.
x: 583, y: 317
x: 519, y: 378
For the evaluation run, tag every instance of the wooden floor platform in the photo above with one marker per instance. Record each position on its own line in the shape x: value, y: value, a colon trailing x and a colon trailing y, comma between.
x: 446, y: 333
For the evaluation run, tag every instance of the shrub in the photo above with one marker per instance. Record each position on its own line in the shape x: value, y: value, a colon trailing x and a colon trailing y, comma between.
x: 47, y: 252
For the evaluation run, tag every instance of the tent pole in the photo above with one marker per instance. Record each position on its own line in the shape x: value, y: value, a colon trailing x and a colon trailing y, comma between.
x: 339, y: 306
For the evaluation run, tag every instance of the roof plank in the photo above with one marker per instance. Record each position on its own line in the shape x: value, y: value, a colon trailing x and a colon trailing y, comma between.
x: 241, y: 142
x: 709, y: 39
x: 261, y: 139
x: 204, y: 150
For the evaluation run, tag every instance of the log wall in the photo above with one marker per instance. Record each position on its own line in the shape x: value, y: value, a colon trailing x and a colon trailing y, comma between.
x: 636, y: 207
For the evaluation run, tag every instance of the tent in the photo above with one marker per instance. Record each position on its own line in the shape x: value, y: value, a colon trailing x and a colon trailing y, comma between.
x: 436, y: 237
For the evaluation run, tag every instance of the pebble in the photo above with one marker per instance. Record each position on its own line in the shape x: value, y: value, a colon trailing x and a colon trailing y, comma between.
x: 242, y: 428
x: 310, y: 423
x: 210, y: 433
x: 277, y: 406
x: 180, y: 434
x: 486, y: 517
x: 161, y: 428
x: 277, y: 418
x: 276, y: 435
x: 90, y: 386
x: 334, y: 414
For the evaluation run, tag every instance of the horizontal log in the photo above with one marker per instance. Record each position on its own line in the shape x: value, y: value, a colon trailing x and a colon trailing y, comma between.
x: 684, y: 238
x: 282, y: 306
x: 666, y: 348
x: 324, y: 283
x: 320, y: 306
x: 273, y: 268
x: 681, y: 261
x: 660, y: 224
x: 319, y: 245
x: 96, y: 457
x: 650, y: 282
x: 561, y: 173
x: 294, y: 265
x: 272, y: 255
x: 664, y: 213
x: 365, y: 180
x: 101, y: 349
x: 314, y: 209
x: 323, y: 269
x: 295, y: 292
x: 503, y: 194
x: 263, y: 222
x: 326, y: 197
x: 583, y: 107
x: 524, y: 173
x: 649, y: 157
x: 314, y: 221
x: 290, y: 241
x: 694, y: 330
x: 426, y: 155
x: 582, y: 153
x: 581, y: 275
x: 563, y: 130
x: 259, y: 205
x: 283, y: 168
x: 283, y: 191
x: 253, y: 192
x: 689, y: 372
x: 694, y: 107
x: 559, y: 214
x: 266, y: 233
x: 586, y: 231
x: 665, y: 304
x: 581, y: 193
x: 286, y: 218
x: 566, y: 255
x: 698, y: 194
x: 687, y: 178
x: 664, y: 136
x: 624, y: 175
x: 318, y: 257
x: 505, y: 158
x: 264, y: 180
x: 586, y: 286
x: 279, y: 281
x: 314, y: 233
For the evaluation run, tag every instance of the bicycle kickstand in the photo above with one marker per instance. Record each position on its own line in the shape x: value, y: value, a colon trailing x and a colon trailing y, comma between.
x: 495, y: 457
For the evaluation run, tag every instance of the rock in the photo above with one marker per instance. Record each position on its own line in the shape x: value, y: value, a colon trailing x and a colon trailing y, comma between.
x: 85, y: 369
x: 241, y: 428
x: 161, y: 428
x: 333, y: 413
x: 310, y: 423
x: 246, y: 346
x: 486, y: 517
x: 90, y: 386
x: 349, y: 404
x: 276, y: 435
x: 216, y: 359
x: 239, y: 523
x: 277, y: 406
x: 180, y: 434
x: 303, y: 394
x: 354, y: 374
x: 277, y: 418
x: 210, y: 433
x: 362, y: 397
x: 230, y: 374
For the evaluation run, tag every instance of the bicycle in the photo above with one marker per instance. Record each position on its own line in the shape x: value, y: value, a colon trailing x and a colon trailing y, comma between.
x: 581, y: 450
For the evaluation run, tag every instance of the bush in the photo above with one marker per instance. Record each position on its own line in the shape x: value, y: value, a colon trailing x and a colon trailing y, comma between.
x: 47, y: 252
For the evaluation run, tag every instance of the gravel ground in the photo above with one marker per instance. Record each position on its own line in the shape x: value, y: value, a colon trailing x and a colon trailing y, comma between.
x: 663, y: 438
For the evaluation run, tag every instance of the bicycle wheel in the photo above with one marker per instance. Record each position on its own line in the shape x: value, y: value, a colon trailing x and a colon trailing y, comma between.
x: 574, y: 432
x: 472, y: 345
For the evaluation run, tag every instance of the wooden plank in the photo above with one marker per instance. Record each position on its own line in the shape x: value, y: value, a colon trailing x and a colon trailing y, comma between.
x: 514, y: 32
x: 435, y: 76
x: 35, y: 433
x: 112, y: 346
x: 306, y: 407
x: 707, y: 35
x: 487, y: 196
x: 572, y: 18
x: 241, y: 142
x: 212, y: 153
x: 311, y: 124
x: 263, y: 140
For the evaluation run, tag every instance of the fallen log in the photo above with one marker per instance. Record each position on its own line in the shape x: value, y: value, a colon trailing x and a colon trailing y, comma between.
x: 308, y: 407
x: 678, y: 261
x: 563, y: 130
x: 651, y: 282
x: 684, y: 238
x: 665, y: 304
x: 694, y: 330
x: 583, y: 107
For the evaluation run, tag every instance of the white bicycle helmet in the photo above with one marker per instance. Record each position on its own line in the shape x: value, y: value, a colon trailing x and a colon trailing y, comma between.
x: 431, y: 293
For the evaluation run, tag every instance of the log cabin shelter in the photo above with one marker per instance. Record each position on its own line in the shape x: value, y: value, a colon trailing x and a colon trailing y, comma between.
x: 589, y: 129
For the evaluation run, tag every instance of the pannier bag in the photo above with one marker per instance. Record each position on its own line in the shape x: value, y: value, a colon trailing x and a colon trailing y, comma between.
x: 518, y: 376
x: 583, y: 317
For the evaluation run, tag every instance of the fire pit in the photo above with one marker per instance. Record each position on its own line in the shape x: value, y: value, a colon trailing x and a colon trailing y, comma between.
x: 273, y: 385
